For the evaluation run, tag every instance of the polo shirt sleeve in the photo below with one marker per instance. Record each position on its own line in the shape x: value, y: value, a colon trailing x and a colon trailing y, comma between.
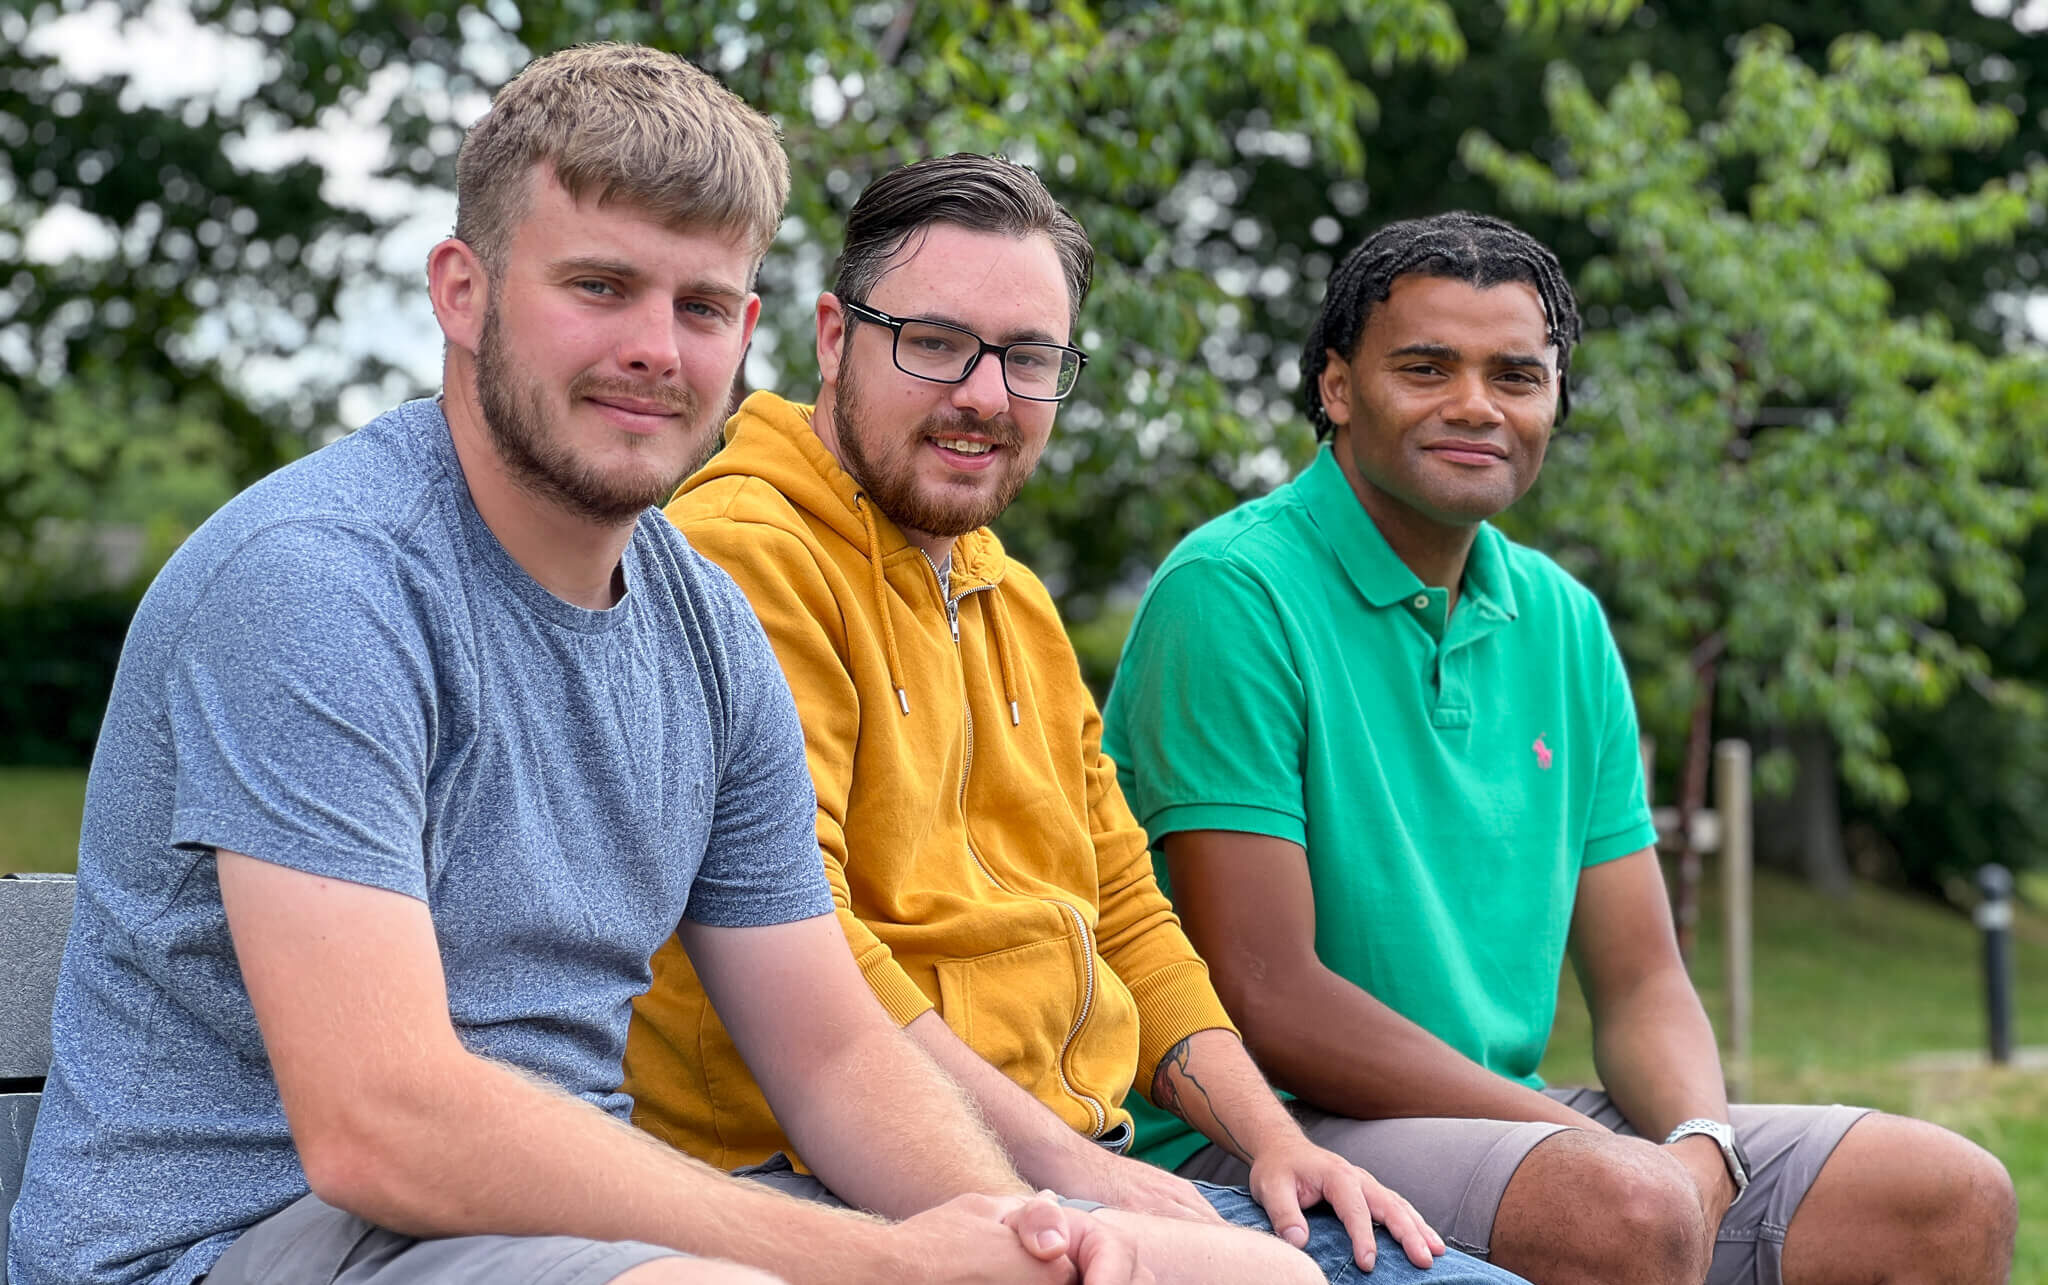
x: 1620, y: 822
x: 1208, y: 714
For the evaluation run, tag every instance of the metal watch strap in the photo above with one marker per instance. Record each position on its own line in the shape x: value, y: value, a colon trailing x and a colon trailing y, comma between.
x: 1724, y: 1137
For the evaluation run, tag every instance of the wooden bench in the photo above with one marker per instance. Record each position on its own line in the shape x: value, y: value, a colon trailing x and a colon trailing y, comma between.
x: 35, y: 916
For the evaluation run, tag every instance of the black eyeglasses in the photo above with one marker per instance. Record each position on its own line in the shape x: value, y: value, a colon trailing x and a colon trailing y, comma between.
x: 1034, y: 371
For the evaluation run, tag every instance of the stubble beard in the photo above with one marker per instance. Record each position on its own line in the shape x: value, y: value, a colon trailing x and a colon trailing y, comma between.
x: 887, y: 471
x: 540, y: 462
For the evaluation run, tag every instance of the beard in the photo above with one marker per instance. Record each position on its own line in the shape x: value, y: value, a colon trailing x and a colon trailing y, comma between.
x: 885, y: 467
x: 540, y: 462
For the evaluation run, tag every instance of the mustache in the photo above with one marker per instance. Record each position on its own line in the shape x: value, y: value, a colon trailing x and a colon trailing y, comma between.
x: 1002, y: 430
x: 673, y: 398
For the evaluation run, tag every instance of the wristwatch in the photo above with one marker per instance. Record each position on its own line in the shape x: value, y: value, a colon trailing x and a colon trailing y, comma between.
x: 1724, y: 1137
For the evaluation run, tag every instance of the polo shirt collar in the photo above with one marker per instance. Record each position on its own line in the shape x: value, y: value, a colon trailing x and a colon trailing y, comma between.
x: 1371, y: 563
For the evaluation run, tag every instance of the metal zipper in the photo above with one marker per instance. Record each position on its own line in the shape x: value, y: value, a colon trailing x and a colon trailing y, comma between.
x: 1059, y: 1066
x: 1087, y: 1003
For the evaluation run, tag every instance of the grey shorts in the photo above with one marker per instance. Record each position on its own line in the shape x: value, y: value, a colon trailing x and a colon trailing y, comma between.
x: 310, y: 1242
x: 1454, y: 1171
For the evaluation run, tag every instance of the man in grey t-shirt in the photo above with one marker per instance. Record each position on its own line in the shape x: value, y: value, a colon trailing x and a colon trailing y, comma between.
x: 418, y: 750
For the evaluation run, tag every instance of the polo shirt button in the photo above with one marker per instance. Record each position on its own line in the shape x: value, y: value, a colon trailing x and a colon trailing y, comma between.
x: 1421, y: 601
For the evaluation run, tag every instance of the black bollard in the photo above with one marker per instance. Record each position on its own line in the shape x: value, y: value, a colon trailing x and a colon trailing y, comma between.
x: 1994, y: 919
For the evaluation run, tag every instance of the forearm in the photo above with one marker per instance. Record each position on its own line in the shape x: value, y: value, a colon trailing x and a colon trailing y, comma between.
x: 469, y: 1146
x: 1335, y: 1046
x: 1033, y: 1134
x: 1655, y: 1053
x: 1210, y: 1081
x: 889, y: 1128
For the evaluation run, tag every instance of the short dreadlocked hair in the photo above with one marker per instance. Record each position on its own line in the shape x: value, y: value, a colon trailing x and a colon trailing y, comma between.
x: 1458, y: 246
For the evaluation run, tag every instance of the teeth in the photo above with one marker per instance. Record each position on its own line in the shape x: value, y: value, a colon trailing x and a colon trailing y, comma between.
x: 965, y: 447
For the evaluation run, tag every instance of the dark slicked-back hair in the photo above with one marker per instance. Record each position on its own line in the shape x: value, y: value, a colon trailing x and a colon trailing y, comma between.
x: 967, y: 190
x: 1458, y: 246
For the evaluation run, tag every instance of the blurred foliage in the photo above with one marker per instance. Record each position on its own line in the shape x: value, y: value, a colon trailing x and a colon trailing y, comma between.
x: 1975, y: 766
x: 1774, y: 462
x: 1801, y: 435
x: 174, y: 365
x: 58, y: 653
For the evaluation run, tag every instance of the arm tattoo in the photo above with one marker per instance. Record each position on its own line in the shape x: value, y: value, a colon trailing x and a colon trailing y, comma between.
x: 1176, y: 1088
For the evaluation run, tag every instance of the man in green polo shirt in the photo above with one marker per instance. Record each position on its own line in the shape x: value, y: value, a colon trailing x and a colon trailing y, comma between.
x: 1389, y: 759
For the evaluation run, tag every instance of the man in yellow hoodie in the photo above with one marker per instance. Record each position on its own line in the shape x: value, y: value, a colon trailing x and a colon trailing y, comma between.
x: 994, y: 887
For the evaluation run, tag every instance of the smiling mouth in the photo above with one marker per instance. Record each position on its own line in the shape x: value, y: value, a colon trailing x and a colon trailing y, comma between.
x: 962, y: 446
x: 630, y: 407
x: 1468, y: 452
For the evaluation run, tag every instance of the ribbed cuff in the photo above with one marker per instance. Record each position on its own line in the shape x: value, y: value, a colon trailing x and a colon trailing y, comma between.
x: 901, y: 998
x: 1173, y: 1003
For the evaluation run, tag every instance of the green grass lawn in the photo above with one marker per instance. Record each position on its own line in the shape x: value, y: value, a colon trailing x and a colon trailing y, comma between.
x: 39, y: 809
x: 1845, y: 993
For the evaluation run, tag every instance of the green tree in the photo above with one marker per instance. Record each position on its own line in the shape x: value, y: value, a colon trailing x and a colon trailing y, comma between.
x: 1780, y: 478
x: 1143, y: 117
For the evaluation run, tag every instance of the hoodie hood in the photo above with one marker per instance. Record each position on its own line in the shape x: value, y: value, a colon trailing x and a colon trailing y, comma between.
x: 771, y: 440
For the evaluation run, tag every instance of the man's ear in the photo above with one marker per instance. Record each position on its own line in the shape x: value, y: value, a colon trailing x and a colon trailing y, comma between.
x: 831, y: 336
x: 460, y: 290
x: 1334, y: 387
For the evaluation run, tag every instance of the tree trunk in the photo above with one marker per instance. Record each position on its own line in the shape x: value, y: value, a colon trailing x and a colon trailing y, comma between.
x: 1692, y: 797
x: 1802, y: 831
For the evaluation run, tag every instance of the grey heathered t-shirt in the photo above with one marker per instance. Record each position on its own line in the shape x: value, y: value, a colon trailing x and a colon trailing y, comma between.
x: 345, y: 673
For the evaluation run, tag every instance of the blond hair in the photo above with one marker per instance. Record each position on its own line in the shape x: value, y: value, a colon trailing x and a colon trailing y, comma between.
x: 623, y: 123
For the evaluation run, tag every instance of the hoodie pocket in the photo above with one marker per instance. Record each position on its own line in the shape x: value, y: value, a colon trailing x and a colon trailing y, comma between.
x: 1018, y: 1007
x: 1014, y: 1007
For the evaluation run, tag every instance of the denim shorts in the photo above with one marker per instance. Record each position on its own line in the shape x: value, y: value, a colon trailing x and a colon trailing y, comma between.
x: 1329, y: 1245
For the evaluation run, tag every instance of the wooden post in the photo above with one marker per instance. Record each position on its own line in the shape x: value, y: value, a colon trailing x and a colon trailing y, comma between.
x: 1731, y: 786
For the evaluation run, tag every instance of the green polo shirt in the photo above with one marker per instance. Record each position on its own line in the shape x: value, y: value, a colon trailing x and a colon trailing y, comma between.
x: 1449, y: 773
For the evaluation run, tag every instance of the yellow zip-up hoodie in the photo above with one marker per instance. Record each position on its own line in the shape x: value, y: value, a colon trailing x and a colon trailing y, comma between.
x: 981, y: 856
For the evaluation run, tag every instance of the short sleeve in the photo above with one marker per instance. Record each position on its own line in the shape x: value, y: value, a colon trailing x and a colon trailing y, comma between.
x: 761, y: 864
x: 300, y: 698
x: 1620, y: 822
x: 1207, y: 719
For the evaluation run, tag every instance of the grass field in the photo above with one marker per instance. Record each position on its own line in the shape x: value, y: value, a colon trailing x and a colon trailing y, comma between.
x: 39, y: 810
x: 1846, y: 993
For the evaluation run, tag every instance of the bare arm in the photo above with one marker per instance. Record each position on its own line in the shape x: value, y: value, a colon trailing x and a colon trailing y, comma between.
x: 395, y: 1121
x: 1209, y: 1080
x: 882, y: 1124
x: 1178, y: 1234
x: 1246, y: 903
x: 1047, y: 1151
x: 1652, y: 1043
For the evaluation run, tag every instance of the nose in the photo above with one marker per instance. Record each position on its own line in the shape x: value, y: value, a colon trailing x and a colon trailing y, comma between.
x: 1472, y: 402
x: 983, y: 391
x: 647, y: 343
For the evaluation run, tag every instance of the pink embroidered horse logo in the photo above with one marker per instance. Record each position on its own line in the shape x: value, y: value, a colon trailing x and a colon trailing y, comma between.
x: 1542, y: 754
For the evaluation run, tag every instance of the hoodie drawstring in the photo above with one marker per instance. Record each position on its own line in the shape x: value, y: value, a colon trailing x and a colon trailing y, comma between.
x: 890, y: 656
x: 999, y: 619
